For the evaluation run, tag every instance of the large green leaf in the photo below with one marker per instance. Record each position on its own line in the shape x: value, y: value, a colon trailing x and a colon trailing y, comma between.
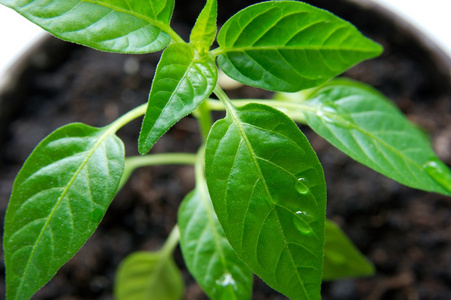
x: 59, y: 197
x: 138, y: 26
x: 182, y: 81
x: 204, y: 31
x: 207, y: 253
x: 267, y: 188
x: 289, y: 46
x: 148, y: 276
x: 341, y: 258
x: 366, y: 126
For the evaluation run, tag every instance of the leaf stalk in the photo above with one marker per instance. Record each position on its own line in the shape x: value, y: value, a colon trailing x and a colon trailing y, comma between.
x: 134, y: 162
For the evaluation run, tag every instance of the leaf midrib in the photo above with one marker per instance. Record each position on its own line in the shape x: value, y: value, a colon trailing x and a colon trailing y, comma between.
x: 83, y: 164
x: 156, y: 23
x: 225, y: 50
x: 173, y: 93
x: 162, y: 261
x: 203, y: 196
x: 371, y: 137
x: 313, y: 109
x: 238, y: 123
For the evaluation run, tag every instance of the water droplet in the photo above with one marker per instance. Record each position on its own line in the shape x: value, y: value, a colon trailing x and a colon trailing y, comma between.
x: 301, y: 186
x: 303, y: 213
x: 300, y: 221
x: 329, y: 114
x: 226, y: 280
x: 439, y: 172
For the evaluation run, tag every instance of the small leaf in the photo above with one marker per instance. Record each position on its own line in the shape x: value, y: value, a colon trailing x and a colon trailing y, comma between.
x: 341, y: 258
x: 148, y: 276
x: 289, y: 46
x: 181, y: 83
x: 204, y: 31
x: 138, y: 26
x: 267, y: 188
x: 59, y: 197
x: 369, y: 128
x: 203, y: 244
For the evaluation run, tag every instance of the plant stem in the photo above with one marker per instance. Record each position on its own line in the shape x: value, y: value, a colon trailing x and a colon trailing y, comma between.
x: 294, y: 110
x: 128, y: 117
x: 222, y: 96
x: 203, y: 115
x: 174, y: 35
x: 134, y: 162
x: 199, y: 168
x: 217, y: 51
x: 171, y: 242
x: 201, y: 184
x: 161, y: 159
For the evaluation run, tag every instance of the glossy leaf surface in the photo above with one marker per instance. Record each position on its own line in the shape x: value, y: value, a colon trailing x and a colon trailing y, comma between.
x: 341, y: 258
x: 59, y: 197
x: 149, y: 276
x: 207, y: 253
x: 289, y: 46
x: 182, y: 81
x: 366, y: 126
x: 267, y: 187
x: 204, y: 31
x: 137, y: 26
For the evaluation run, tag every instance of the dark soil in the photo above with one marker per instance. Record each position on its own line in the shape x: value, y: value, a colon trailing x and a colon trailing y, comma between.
x: 406, y: 233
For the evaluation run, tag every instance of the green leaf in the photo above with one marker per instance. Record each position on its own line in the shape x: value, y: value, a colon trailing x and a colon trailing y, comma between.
x: 204, y: 31
x: 148, y: 276
x: 369, y: 128
x: 289, y: 46
x: 203, y: 244
x: 59, y: 197
x: 137, y: 26
x: 267, y: 188
x: 341, y: 258
x: 182, y: 81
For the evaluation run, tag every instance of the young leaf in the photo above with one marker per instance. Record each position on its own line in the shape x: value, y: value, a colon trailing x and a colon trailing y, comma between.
x: 59, y: 197
x: 207, y: 253
x: 137, y: 26
x: 182, y: 81
x: 341, y: 258
x: 204, y: 31
x: 289, y: 46
x: 366, y: 126
x: 267, y: 188
x: 148, y: 276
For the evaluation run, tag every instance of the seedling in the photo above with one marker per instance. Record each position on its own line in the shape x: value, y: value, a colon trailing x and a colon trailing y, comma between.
x: 259, y: 205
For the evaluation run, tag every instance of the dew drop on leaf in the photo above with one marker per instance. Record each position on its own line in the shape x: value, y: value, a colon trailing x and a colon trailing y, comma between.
x: 439, y: 172
x: 226, y: 280
x: 320, y: 113
x: 301, y: 186
x: 329, y: 114
x: 303, y: 213
x: 300, y: 222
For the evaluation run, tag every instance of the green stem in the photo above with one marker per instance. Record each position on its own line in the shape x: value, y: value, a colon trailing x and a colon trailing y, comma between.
x: 128, y: 117
x: 201, y: 185
x: 222, y: 96
x: 199, y: 169
x: 174, y: 35
x: 161, y: 159
x: 294, y: 110
x: 171, y: 242
x: 203, y: 115
x: 217, y: 51
x: 134, y: 162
